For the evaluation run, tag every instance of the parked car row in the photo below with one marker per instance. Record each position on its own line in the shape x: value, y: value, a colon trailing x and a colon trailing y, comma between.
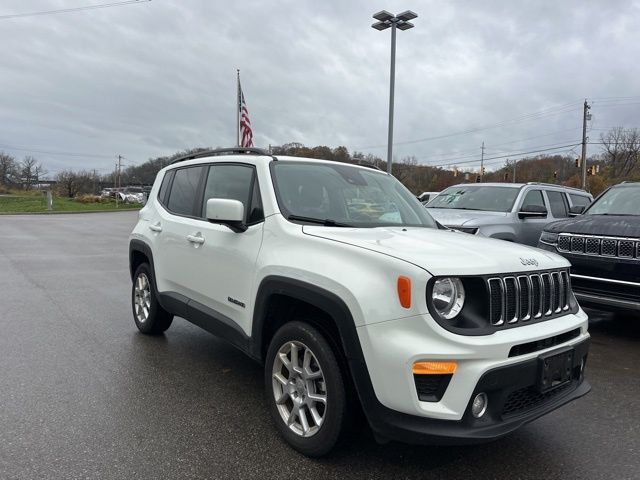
x: 128, y: 194
x: 600, y: 239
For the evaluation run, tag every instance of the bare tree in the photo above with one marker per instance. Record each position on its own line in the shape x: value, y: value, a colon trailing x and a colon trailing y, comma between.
x: 621, y: 151
x: 8, y: 169
x: 68, y: 183
x: 27, y: 171
x: 72, y: 183
x: 39, y: 172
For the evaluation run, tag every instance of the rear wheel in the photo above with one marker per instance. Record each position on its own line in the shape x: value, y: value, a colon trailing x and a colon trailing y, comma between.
x: 149, y: 316
x: 305, y: 389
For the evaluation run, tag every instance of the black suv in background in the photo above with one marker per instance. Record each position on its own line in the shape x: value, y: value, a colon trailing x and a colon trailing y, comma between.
x: 603, y: 246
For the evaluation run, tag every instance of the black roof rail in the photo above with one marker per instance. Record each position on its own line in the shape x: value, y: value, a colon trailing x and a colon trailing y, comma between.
x: 223, y: 151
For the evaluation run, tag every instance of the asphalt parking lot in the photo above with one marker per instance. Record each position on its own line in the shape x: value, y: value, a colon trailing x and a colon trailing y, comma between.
x: 84, y: 395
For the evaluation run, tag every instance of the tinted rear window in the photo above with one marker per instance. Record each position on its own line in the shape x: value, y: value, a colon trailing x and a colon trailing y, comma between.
x: 557, y: 203
x: 166, y: 181
x: 579, y: 200
x: 184, y: 189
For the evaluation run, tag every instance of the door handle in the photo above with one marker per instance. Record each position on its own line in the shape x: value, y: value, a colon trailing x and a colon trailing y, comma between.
x: 155, y: 227
x: 196, y: 239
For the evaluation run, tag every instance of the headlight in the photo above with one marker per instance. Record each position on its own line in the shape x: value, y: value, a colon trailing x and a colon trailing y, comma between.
x: 549, y: 237
x: 447, y: 297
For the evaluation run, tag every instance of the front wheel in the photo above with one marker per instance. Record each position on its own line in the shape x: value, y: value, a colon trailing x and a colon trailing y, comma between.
x: 305, y: 389
x: 148, y: 314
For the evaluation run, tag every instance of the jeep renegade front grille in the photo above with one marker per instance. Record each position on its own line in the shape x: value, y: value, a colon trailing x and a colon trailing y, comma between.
x: 520, y: 298
x: 599, y: 246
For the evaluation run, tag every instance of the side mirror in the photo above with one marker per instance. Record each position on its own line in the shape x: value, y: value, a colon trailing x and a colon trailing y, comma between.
x: 576, y: 210
x: 528, y: 211
x: 226, y: 212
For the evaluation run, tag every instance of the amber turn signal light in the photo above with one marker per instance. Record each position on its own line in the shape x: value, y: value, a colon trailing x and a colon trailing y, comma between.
x: 404, y: 291
x: 434, y: 368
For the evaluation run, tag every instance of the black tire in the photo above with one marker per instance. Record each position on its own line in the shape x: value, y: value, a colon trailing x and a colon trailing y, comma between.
x: 335, y: 409
x: 158, y: 319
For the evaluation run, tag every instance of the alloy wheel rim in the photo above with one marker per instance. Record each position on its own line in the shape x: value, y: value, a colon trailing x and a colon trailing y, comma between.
x: 299, y: 389
x: 142, y: 298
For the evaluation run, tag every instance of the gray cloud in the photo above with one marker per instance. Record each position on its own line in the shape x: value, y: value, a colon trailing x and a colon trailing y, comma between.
x: 147, y: 80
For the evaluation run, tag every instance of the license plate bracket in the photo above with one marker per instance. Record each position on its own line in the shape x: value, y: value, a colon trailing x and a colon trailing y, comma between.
x: 555, y: 369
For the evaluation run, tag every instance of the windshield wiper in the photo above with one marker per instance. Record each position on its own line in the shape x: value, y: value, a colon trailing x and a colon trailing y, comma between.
x: 459, y: 208
x: 327, y: 222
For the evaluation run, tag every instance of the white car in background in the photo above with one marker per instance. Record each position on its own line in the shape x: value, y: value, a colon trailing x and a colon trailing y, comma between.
x: 426, y: 197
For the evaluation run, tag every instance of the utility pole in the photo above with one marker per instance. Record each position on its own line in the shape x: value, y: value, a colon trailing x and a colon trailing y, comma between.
x: 482, y: 163
x: 585, y: 116
x: 514, y: 170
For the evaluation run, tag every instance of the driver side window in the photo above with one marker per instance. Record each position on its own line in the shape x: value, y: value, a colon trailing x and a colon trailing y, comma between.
x: 533, y: 197
x: 235, y: 182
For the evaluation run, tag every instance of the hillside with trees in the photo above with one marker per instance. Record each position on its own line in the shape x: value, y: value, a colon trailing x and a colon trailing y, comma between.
x: 617, y: 160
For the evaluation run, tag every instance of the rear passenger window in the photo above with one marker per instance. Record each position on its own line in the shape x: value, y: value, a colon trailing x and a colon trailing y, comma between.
x: 162, y: 194
x: 184, y: 189
x: 558, y: 204
x: 579, y: 200
x: 534, y: 197
x: 235, y: 182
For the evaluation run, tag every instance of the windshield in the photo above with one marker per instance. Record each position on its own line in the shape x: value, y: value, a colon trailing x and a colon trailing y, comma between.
x: 476, y: 197
x: 343, y: 195
x: 617, y: 201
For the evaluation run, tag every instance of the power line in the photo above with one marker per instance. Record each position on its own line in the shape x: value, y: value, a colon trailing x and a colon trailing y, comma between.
x: 559, y: 109
x: 74, y: 9
x: 632, y: 97
x: 507, y: 156
x: 604, y: 102
x: 65, y: 154
x: 497, y: 150
x: 508, y: 152
x: 472, y: 152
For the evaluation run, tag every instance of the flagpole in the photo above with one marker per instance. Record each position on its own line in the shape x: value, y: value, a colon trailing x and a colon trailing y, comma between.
x: 238, y: 111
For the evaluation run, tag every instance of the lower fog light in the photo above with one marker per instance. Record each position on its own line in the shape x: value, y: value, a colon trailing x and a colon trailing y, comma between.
x: 479, y: 405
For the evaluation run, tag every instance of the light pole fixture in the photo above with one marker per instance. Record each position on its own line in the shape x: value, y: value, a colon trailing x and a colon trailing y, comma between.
x: 401, y: 21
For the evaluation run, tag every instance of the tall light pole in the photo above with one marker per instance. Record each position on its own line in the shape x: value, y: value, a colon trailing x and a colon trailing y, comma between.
x: 401, y: 21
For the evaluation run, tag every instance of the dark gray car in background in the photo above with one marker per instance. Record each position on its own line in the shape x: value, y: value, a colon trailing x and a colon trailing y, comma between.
x: 516, y: 212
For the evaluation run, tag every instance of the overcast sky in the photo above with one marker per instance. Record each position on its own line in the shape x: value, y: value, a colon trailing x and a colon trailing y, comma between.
x: 149, y: 79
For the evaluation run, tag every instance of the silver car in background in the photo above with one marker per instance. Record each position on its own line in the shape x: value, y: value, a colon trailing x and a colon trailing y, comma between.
x: 516, y: 212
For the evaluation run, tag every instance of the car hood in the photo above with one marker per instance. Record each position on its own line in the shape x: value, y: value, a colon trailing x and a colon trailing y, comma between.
x: 443, y: 252
x: 452, y: 216
x: 610, y: 225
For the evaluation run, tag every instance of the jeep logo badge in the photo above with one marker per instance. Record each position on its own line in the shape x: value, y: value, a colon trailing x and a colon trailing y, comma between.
x: 529, y: 261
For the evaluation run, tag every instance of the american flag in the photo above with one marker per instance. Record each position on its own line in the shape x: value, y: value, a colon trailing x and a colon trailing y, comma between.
x: 246, y: 135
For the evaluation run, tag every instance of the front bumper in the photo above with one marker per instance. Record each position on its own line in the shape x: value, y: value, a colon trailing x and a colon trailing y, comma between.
x: 600, y: 281
x: 513, y: 402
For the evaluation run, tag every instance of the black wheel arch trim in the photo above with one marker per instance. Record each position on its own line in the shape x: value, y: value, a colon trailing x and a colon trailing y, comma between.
x: 140, y: 247
x: 316, y: 296
x: 337, y: 309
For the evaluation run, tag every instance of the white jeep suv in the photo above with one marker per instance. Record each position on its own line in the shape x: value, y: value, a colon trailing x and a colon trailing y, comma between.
x: 336, y: 278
